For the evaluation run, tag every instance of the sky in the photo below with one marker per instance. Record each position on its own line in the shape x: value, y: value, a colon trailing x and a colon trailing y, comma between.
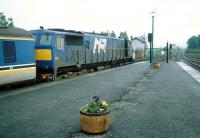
x: 175, y: 20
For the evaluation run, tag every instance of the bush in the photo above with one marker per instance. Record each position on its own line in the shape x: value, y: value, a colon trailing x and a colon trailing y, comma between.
x: 193, y: 50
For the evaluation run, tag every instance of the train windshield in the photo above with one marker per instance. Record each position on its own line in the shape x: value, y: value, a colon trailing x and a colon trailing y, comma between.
x: 34, y: 37
x: 72, y: 40
x: 46, y: 40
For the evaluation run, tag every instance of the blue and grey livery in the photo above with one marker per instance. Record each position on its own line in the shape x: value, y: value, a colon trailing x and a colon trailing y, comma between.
x: 58, y: 51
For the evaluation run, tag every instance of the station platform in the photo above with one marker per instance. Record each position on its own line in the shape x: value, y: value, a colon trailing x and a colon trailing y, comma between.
x: 191, y: 71
x: 165, y: 103
x: 145, y: 102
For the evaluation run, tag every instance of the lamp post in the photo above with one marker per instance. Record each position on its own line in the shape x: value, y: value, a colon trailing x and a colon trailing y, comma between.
x: 167, y: 52
x: 152, y: 43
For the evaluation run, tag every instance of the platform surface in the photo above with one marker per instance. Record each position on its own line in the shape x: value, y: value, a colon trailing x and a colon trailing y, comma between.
x: 145, y: 103
x: 193, y: 72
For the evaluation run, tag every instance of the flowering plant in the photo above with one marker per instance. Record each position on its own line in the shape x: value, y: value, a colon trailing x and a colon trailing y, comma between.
x: 97, y: 106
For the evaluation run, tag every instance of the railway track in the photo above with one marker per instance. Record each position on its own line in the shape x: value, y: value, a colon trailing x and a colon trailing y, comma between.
x: 194, y: 60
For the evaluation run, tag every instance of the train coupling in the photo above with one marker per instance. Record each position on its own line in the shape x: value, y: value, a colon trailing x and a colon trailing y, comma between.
x: 46, y: 77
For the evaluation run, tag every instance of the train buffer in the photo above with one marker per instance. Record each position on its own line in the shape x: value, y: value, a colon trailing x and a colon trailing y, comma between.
x: 145, y: 102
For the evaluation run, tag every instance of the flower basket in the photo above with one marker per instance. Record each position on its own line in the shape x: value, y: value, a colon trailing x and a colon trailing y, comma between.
x: 94, y: 123
x: 95, y: 117
x: 156, y: 65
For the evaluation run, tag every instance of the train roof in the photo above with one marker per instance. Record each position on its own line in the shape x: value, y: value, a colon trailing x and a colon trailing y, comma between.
x: 14, y: 32
x: 63, y: 30
x: 58, y: 31
x: 71, y: 32
x: 101, y: 35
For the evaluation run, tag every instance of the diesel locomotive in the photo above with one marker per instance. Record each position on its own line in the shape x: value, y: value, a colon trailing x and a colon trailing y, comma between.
x: 58, y: 51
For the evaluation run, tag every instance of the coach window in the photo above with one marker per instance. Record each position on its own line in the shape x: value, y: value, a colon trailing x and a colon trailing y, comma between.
x: 9, y: 52
x: 72, y: 40
x: 60, y: 43
x: 45, y: 39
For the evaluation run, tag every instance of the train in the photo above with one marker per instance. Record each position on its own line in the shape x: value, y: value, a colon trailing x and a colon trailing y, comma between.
x: 17, y: 58
x: 45, y: 54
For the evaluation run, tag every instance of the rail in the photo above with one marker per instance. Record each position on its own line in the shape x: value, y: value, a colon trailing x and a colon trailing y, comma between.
x: 194, y: 61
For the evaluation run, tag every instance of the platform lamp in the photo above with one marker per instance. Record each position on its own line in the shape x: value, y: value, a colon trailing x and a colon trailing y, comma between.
x: 152, y: 40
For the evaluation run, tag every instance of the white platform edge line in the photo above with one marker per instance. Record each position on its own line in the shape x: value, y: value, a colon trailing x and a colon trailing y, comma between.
x: 191, y: 71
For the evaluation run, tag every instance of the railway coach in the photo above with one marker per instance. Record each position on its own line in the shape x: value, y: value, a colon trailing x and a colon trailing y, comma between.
x: 58, y: 51
x: 17, y: 58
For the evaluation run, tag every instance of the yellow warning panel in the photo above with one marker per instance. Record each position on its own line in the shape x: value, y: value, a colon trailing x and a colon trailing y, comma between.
x: 43, y: 54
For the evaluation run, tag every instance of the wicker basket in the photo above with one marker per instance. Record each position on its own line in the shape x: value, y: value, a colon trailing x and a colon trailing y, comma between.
x: 94, y: 122
x: 156, y: 65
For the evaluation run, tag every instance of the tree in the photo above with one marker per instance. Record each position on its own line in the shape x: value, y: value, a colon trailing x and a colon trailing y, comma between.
x: 193, y: 42
x: 123, y: 35
x: 4, y: 22
x: 113, y: 34
x: 104, y: 33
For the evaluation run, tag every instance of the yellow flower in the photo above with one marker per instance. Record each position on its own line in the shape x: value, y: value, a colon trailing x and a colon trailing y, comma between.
x: 103, y: 103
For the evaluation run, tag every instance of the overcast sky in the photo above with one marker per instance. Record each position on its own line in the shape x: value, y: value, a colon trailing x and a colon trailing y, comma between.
x: 175, y: 20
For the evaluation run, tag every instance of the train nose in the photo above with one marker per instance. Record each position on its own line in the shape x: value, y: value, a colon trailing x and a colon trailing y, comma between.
x: 43, y: 54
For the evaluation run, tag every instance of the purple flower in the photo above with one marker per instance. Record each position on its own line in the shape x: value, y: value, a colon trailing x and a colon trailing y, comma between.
x: 96, y: 98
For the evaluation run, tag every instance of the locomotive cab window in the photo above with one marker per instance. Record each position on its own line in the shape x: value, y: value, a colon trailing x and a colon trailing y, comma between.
x: 60, y: 43
x: 34, y: 37
x: 46, y: 39
x: 74, y: 40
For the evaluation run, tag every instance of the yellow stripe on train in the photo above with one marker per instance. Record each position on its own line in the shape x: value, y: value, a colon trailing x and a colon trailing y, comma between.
x: 16, y: 38
x: 43, y: 54
x: 14, y: 71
